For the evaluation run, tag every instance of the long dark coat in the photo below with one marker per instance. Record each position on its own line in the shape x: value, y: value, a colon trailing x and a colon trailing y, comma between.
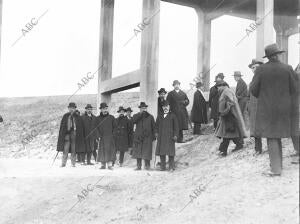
x: 273, y: 85
x: 122, y: 134
x: 106, y: 125
x: 241, y: 93
x: 90, y: 131
x: 252, y: 115
x: 166, y: 128
x: 143, y: 136
x: 295, y: 101
x: 178, y: 102
x: 130, y: 137
x: 214, y: 102
x: 159, y: 106
x: 199, y: 111
x: 63, y: 131
x: 231, y: 123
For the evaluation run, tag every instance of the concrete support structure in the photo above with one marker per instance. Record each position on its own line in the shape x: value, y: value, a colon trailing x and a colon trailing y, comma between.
x: 203, y: 47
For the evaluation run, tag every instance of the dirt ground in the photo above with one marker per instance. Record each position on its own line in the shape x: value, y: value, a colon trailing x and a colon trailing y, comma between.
x: 203, y: 189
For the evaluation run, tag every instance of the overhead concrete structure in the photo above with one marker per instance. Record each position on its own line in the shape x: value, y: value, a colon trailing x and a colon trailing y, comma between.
x: 280, y: 15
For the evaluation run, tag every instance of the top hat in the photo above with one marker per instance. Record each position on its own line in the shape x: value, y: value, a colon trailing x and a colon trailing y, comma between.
x: 72, y: 105
x: 120, y: 109
x: 255, y: 62
x: 199, y: 84
x: 176, y: 82
x: 162, y: 90
x: 128, y: 109
x: 165, y: 103
x: 103, y: 105
x: 88, y: 106
x: 272, y: 49
x: 237, y: 73
x: 143, y: 104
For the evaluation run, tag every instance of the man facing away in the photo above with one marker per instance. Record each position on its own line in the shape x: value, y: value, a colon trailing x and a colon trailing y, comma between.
x: 273, y: 85
x: 241, y: 91
x: 178, y: 102
x: 144, y: 136
x: 199, y: 111
x: 71, y: 135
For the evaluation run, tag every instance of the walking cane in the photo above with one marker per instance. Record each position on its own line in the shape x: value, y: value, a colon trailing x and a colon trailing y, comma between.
x: 55, y: 158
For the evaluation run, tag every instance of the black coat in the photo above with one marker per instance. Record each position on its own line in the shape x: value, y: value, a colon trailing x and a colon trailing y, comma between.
x: 144, y: 136
x: 130, y: 137
x: 178, y: 103
x: 214, y: 102
x: 90, y: 130
x: 166, y: 128
x: 106, y: 125
x: 199, y: 111
x: 63, y: 131
x: 241, y: 93
x: 160, y: 110
x: 122, y: 133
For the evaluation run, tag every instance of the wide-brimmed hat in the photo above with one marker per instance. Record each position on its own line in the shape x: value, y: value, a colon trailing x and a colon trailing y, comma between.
x: 120, y: 109
x: 88, y: 106
x: 237, y: 73
x: 143, y: 104
x: 271, y: 50
x: 176, y: 82
x: 72, y: 105
x: 162, y: 90
x: 199, y: 84
x: 103, y: 105
x: 128, y: 109
x: 255, y: 62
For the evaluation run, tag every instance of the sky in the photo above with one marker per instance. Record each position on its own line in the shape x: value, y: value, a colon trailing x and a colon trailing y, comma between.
x: 53, y: 57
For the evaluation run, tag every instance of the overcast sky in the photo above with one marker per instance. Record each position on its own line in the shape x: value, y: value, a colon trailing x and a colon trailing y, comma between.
x: 63, y: 47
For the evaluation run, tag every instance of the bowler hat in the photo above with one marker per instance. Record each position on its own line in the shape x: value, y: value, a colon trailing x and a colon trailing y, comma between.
x: 165, y: 103
x: 128, y: 109
x: 88, y: 106
x: 143, y: 104
x: 237, y: 73
x: 103, y: 105
x: 220, y: 75
x: 176, y: 82
x: 199, y: 84
x: 162, y: 90
x: 255, y: 62
x: 72, y: 105
x: 120, y: 109
x: 272, y: 49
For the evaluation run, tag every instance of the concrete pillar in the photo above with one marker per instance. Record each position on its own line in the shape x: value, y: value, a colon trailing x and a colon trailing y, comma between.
x: 203, y: 47
x: 283, y: 43
x: 105, y: 48
x: 265, y: 17
x: 150, y: 54
x: 0, y: 24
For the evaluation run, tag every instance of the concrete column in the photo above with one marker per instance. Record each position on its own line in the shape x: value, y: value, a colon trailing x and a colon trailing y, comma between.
x: 203, y: 47
x: 105, y: 48
x: 0, y: 24
x: 283, y: 43
x: 265, y: 17
x: 150, y: 54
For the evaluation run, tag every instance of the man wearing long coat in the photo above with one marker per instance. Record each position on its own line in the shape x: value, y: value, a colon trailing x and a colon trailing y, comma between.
x: 106, y: 125
x: 89, y: 123
x: 199, y: 110
x: 167, y: 131
x: 178, y: 102
x: 241, y: 91
x: 71, y: 135
x: 231, y: 125
x: 273, y: 85
x: 213, y: 101
x: 143, y: 137
x: 131, y: 126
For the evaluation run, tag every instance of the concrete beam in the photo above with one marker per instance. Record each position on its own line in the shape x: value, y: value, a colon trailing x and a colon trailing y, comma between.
x: 149, y: 54
x: 121, y: 83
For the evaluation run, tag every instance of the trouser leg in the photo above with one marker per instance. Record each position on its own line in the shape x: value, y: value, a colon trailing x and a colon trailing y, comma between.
x: 275, y: 154
x: 121, y: 157
x: 163, y: 162
x: 224, y: 145
x: 65, y: 152
x: 258, y: 144
x: 197, y: 128
x: 89, y: 157
x: 147, y: 163
x: 139, y: 163
x: 180, y: 136
x: 216, y: 122
x: 296, y: 142
x: 82, y: 157
x: 171, y: 163
x: 238, y: 141
x: 73, y: 152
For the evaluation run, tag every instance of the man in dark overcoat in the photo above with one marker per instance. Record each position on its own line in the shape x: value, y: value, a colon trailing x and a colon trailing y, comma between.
x: 106, y: 125
x: 143, y: 137
x: 131, y: 126
x: 252, y: 111
x: 122, y: 134
x: 178, y: 102
x: 273, y: 85
x: 199, y: 110
x: 71, y: 135
x: 241, y: 91
x: 167, y: 131
x: 89, y: 123
x: 160, y: 101
x: 213, y: 101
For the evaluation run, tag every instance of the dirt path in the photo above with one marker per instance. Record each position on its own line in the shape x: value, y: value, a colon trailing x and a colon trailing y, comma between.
x: 34, y: 192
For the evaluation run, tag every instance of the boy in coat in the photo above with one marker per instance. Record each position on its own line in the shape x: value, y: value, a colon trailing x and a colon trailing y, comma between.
x: 122, y: 134
x: 167, y: 131
x: 106, y: 125
x: 144, y: 136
